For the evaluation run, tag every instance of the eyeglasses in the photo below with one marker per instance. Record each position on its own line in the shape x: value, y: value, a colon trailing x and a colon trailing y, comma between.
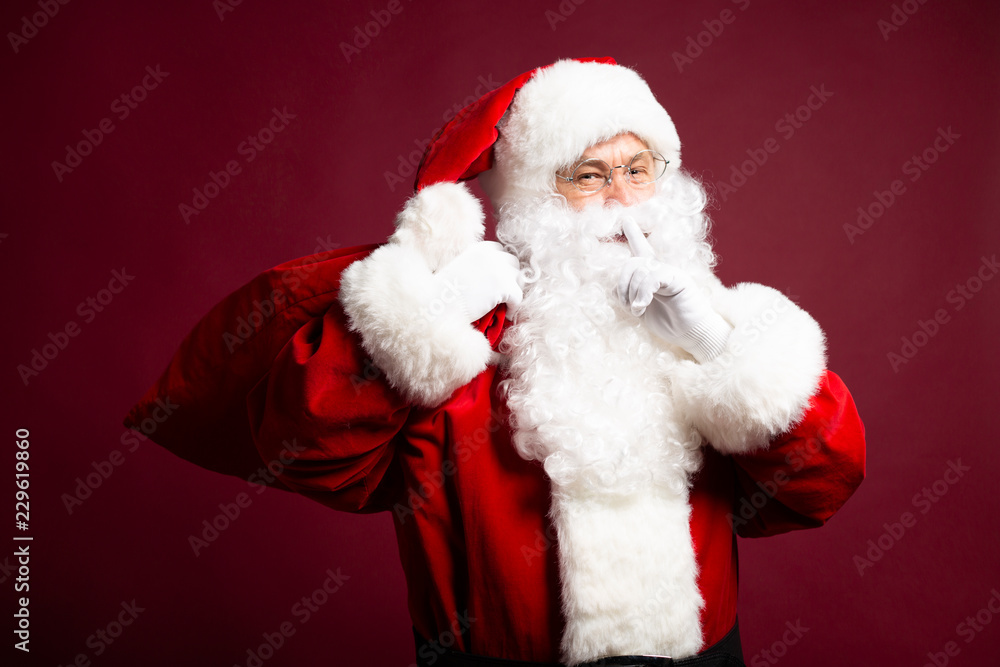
x: 593, y: 175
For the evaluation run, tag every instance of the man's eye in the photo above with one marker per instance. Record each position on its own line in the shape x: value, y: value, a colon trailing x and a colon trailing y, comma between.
x: 589, y: 176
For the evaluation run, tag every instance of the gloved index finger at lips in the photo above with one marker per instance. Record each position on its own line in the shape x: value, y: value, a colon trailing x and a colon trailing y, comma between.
x: 637, y: 241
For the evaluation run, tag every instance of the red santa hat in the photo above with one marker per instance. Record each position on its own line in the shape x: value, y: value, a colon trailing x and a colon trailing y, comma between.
x: 517, y: 136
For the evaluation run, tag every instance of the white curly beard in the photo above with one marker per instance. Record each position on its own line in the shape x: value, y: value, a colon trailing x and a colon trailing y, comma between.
x: 588, y: 390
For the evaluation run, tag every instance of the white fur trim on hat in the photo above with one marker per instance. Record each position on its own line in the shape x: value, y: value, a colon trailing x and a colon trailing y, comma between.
x: 388, y: 298
x: 760, y: 385
x: 563, y: 110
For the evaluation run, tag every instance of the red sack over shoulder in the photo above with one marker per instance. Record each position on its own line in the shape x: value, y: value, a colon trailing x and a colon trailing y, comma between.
x: 197, y: 408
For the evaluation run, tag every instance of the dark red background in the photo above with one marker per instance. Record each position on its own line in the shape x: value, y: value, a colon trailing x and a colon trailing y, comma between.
x: 323, y: 178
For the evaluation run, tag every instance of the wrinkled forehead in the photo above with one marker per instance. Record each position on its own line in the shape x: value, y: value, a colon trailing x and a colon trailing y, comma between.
x: 618, y: 149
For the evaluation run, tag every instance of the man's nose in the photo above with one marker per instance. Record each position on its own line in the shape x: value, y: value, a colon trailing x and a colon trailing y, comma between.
x: 619, y: 190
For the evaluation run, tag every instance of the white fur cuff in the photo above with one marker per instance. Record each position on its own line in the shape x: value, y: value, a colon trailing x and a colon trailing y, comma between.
x: 761, y: 384
x: 426, y: 349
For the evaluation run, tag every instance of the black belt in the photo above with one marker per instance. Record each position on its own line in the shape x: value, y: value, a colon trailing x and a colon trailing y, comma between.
x: 727, y: 652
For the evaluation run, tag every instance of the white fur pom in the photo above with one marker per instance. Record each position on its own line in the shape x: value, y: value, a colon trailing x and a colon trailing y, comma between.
x: 761, y: 384
x: 439, y: 222
x: 425, y: 351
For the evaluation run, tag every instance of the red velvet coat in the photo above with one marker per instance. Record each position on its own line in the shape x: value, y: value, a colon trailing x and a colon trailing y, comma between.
x: 469, y: 513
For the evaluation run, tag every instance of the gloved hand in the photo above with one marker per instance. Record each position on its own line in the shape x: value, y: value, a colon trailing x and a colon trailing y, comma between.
x: 476, y: 281
x: 668, y: 301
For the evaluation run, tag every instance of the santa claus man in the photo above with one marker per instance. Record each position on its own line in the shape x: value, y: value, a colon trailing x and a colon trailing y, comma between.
x: 571, y: 425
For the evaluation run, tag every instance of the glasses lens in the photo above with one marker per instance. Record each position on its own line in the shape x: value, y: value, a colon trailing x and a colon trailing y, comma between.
x: 646, y: 167
x: 591, y: 175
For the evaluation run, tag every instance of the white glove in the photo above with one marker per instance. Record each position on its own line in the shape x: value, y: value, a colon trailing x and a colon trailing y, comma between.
x: 668, y: 301
x: 481, y: 277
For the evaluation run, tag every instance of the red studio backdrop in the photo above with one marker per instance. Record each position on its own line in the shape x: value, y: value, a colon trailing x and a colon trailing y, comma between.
x: 155, y: 158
